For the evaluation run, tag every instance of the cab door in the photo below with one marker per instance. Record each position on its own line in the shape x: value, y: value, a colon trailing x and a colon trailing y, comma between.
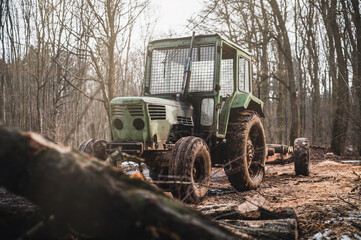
x: 227, y: 86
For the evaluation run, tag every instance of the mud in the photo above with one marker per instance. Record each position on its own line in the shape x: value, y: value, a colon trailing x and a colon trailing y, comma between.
x: 327, y: 202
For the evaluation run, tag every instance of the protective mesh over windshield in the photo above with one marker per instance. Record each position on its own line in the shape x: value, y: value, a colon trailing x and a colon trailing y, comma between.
x: 168, y: 68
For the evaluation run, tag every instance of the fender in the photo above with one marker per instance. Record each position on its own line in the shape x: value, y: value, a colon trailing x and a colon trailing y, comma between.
x: 248, y: 102
x: 242, y: 100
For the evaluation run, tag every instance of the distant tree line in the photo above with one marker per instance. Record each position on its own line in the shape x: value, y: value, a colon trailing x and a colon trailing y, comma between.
x: 62, y: 61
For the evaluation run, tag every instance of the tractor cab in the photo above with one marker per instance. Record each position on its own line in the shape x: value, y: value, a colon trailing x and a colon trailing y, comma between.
x: 220, y: 73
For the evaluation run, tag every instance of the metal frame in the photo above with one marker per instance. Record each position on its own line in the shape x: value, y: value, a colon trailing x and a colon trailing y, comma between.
x: 183, y: 46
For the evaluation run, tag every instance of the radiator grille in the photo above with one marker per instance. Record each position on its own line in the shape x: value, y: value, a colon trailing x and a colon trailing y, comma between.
x: 185, y: 121
x: 157, y: 112
x: 135, y: 110
x: 117, y: 110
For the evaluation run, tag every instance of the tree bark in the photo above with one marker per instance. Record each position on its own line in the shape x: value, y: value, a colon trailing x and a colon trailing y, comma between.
x: 357, y: 51
x: 295, y: 125
x: 264, y: 58
x: 96, y: 199
x: 340, y: 120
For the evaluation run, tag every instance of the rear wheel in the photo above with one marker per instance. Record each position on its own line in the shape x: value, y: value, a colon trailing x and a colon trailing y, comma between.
x: 94, y: 147
x: 246, y: 150
x: 190, y: 169
x: 301, y: 156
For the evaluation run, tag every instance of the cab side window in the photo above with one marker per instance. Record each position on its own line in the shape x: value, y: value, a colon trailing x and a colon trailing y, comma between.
x: 227, y: 70
x: 243, y: 74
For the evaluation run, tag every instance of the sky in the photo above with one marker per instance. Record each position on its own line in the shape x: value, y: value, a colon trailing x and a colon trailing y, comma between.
x: 173, y: 15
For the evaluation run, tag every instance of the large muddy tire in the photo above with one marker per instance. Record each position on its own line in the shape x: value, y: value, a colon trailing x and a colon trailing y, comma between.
x: 245, y: 150
x: 301, y: 156
x: 190, y: 169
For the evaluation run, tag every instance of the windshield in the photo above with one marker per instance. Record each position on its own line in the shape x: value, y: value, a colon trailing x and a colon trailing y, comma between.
x: 167, y: 69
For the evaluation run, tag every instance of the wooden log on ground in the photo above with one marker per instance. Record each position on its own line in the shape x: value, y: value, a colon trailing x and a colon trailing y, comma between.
x: 95, y: 199
x: 285, y: 228
x: 250, y: 208
x: 255, y: 219
x: 279, y: 148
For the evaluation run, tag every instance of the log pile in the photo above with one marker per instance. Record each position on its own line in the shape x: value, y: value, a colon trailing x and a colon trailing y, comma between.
x: 96, y: 199
x: 99, y: 201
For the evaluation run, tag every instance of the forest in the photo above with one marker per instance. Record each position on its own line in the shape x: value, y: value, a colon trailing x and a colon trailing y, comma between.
x: 63, y: 61
x: 219, y: 176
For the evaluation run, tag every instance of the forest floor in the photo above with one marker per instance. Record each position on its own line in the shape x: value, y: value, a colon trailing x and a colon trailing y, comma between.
x: 327, y: 202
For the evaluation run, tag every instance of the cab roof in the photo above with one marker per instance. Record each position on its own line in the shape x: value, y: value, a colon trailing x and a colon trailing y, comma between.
x: 201, y: 37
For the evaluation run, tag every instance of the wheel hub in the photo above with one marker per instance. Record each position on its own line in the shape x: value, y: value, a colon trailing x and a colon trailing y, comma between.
x: 197, y: 170
x: 250, y: 152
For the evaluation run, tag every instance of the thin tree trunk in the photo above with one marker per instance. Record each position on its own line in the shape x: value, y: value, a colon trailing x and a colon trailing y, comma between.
x: 295, y: 125
x: 357, y: 52
x: 80, y: 117
x: 340, y: 121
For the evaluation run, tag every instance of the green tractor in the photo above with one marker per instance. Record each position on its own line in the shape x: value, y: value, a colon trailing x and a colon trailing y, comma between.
x: 197, y: 112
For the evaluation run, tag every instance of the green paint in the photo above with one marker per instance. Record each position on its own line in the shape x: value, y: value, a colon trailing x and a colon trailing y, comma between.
x: 161, y: 127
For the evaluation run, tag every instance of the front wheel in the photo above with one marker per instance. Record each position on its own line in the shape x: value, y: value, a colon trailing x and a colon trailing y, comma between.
x: 190, y: 169
x: 246, y: 150
x: 94, y: 147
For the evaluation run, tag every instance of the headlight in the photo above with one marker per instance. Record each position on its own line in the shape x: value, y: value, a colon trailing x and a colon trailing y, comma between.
x: 118, y: 124
x: 138, y: 124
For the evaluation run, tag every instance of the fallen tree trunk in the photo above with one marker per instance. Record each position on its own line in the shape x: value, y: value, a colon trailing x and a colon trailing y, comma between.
x: 95, y: 199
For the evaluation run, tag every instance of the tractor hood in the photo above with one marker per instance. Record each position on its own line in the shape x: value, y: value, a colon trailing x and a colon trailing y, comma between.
x: 147, y: 119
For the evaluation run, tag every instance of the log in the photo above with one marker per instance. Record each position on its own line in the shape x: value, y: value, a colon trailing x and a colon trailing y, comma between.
x: 285, y: 228
x: 279, y: 148
x: 251, y: 208
x: 255, y: 219
x: 96, y: 199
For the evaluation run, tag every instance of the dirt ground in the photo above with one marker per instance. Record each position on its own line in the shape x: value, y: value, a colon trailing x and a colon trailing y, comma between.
x: 327, y: 202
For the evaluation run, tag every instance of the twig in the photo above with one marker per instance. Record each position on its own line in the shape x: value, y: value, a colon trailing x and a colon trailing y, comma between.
x: 351, y: 204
